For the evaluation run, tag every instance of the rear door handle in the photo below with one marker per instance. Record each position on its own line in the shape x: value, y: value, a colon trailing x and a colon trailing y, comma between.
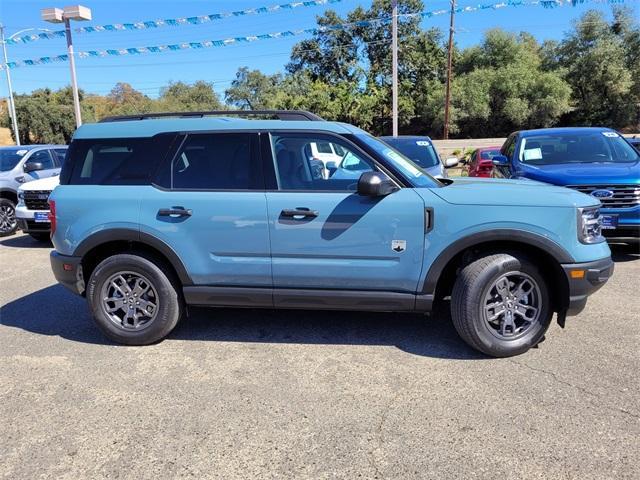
x: 175, y: 212
x: 299, y: 212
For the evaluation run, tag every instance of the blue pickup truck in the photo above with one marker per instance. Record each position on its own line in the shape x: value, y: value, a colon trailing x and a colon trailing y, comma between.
x: 157, y: 212
x: 595, y: 161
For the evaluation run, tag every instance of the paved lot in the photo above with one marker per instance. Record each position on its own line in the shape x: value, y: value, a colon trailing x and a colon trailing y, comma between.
x: 263, y: 394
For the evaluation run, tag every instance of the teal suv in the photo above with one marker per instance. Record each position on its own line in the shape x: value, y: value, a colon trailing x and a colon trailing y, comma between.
x: 158, y: 212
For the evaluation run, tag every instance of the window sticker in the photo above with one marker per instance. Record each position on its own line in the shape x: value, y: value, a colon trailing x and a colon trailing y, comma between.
x: 423, y: 143
x: 610, y: 134
x: 533, y: 154
x: 21, y: 152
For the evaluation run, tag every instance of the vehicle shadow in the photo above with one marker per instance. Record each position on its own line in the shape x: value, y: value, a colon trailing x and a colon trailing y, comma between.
x: 63, y: 314
x: 23, y: 241
x: 622, y: 252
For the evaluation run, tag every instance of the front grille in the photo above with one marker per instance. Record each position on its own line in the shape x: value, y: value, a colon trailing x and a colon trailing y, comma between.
x: 624, y: 196
x: 37, y: 199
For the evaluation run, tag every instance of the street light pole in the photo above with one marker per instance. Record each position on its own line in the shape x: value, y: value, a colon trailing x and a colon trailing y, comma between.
x: 72, y: 65
x: 447, y: 100
x: 58, y: 15
x: 394, y: 66
x: 12, y: 105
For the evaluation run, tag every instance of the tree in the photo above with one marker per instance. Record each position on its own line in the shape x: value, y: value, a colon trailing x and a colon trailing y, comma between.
x: 181, y: 97
x: 598, y: 60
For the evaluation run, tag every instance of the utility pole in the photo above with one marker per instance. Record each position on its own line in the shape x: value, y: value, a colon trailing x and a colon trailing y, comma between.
x: 394, y: 66
x: 12, y: 105
x: 447, y: 100
x: 72, y: 65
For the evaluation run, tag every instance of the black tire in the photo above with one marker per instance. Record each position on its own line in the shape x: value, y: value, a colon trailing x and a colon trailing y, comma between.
x: 8, y: 222
x: 41, y: 237
x: 469, y: 297
x: 170, y: 305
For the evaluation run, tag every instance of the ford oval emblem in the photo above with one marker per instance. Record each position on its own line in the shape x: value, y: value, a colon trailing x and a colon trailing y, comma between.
x: 602, y: 193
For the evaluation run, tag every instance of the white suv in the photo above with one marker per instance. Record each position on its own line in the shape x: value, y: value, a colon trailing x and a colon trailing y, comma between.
x: 32, y: 211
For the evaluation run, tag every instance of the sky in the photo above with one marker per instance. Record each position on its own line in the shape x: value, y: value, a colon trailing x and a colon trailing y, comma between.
x: 149, y: 72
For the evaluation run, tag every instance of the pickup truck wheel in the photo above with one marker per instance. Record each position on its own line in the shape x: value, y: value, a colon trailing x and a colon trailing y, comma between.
x: 8, y: 222
x: 132, y: 299
x: 500, y: 305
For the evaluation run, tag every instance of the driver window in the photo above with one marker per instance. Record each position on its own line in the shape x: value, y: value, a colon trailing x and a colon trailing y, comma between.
x: 298, y: 168
x: 42, y: 157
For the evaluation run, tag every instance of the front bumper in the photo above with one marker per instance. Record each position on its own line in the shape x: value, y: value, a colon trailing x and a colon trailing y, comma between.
x: 595, y: 275
x: 26, y: 222
x: 68, y: 271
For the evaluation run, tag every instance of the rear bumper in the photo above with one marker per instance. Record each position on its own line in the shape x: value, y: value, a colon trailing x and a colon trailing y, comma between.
x: 68, y: 271
x: 595, y: 275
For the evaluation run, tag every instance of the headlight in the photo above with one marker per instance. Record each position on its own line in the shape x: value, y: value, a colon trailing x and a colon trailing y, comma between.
x: 590, y: 225
x: 20, y: 195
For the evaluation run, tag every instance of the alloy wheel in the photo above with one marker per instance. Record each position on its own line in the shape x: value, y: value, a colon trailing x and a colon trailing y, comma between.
x: 130, y: 301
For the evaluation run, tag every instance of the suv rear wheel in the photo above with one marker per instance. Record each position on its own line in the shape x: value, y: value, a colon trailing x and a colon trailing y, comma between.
x: 132, y: 299
x: 501, y: 305
x: 8, y: 222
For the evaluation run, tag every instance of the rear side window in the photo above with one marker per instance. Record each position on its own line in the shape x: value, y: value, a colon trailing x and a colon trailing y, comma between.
x: 217, y: 161
x: 58, y: 155
x: 115, y: 161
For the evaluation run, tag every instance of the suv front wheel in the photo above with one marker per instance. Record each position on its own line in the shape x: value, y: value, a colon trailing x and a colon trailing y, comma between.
x: 501, y: 305
x: 132, y: 299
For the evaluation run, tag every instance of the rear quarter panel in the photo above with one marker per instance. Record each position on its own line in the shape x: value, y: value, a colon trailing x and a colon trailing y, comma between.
x: 82, y: 210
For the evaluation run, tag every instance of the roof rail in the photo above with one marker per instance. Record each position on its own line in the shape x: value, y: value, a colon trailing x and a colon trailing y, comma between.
x: 279, y: 114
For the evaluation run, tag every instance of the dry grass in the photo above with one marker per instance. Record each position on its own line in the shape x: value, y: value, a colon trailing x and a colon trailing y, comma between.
x: 5, y: 137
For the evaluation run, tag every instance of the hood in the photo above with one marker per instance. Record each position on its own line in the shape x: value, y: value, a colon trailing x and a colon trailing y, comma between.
x: 48, y: 183
x: 522, y: 193
x: 583, y: 173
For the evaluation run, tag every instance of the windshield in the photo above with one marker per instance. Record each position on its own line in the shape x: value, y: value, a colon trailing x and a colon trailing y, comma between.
x: 413, y: 172
x: 489, y: 154
x: 9, y: 158
x: 577, y: 147
x: 419, y: 151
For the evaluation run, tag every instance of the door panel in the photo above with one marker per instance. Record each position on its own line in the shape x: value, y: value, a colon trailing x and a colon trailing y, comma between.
x: 225, y: 241
x: 348, y: 245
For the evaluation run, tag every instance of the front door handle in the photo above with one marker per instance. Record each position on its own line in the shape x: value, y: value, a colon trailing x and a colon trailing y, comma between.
x: 175, y: 212
x: 299, y: 212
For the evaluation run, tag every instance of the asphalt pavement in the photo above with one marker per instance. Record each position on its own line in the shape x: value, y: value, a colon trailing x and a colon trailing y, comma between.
x: 296, y: 394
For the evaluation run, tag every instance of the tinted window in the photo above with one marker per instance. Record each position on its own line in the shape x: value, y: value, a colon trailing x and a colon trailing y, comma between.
x: 217, y: 161
x: 297, y: 169
x: 117, y: 161
x: 42, y: 157
x: 489, y: 154
x: 585, y: 146
x: 58, y: 155
x: 9, y: 158
x: 419, y: 151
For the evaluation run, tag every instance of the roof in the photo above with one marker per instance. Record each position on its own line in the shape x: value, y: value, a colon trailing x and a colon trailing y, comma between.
x: 405, y: 137
x: 32, y: 146
x: 152, y: 126
x: 563, y: 131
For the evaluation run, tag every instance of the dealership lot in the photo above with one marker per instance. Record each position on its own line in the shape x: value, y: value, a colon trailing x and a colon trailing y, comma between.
x: 244, y: 393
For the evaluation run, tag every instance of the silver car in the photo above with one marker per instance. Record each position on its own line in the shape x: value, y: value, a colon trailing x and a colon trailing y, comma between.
x: 19, y: 165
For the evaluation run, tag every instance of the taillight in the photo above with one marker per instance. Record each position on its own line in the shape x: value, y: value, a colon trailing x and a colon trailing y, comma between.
x: 52, y: 215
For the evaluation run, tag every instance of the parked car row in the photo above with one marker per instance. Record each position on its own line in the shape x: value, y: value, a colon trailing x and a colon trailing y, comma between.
x: 21, y: 166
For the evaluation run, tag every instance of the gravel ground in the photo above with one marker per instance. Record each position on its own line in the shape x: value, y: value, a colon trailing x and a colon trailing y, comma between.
x: 292, y: 394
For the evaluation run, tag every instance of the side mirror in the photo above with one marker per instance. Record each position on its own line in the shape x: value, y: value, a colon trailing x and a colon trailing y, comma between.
x: 451, y: 162
x: 331, y: 167
x: 375, y: 184
x: 33, y: 167
x: 500, y: 161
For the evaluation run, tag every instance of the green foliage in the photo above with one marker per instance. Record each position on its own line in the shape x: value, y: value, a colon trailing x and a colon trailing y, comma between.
x: 507, y: 82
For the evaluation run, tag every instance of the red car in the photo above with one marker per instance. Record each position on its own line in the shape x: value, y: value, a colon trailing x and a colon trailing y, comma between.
x: 480, y: 164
